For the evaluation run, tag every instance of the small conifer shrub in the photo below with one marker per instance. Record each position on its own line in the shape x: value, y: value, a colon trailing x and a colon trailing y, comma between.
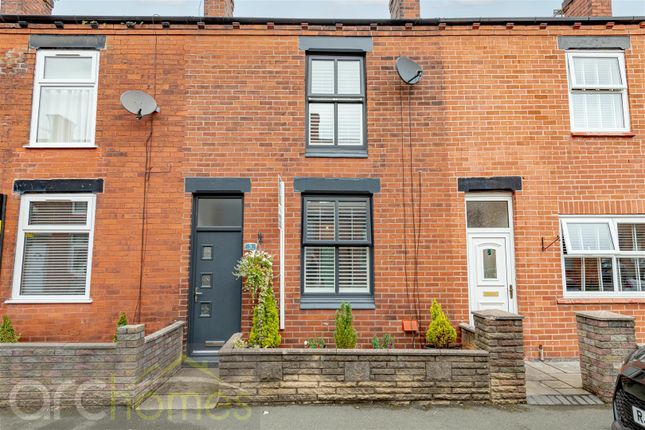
x: 345, y: 335
x: 7, y: 332
x: 440, y: 333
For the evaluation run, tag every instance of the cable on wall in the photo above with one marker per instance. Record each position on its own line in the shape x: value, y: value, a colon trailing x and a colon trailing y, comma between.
x: 147, y: 170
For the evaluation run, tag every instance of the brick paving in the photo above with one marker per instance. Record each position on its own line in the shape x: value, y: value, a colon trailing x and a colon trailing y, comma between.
x: 556, y: 383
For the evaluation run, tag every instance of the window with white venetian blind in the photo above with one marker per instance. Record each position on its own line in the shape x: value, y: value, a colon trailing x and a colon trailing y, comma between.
x: 54, y: 248
x: 598, y: 92
x: 64, y: 99
x: 336, y: 103
x: 337, y: 243
x: 604, y: 255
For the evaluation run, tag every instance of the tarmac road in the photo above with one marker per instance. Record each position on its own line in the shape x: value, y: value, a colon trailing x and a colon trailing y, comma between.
x: 325, y: 417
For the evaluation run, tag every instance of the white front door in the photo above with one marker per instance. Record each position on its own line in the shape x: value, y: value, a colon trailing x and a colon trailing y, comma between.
x: 490, y: 272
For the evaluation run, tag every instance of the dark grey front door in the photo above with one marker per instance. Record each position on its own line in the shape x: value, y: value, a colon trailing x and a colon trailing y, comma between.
x: 215, y: 294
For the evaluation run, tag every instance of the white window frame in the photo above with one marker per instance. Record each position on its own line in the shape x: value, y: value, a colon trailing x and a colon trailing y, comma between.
x: 574, y: 87
x: 24, y: 227
x: 40, y: 82
x: 614, y: 254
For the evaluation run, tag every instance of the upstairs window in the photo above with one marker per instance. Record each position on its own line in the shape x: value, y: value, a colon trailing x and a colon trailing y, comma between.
x: 604, y: 256
x: 337, y: 242
x: 335, y: 104
x: 598, y: 92
x: 54, y: 248
x: 64, y: 101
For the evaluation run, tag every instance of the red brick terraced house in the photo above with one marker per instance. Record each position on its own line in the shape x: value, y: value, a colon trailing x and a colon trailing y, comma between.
x: 510, y: 176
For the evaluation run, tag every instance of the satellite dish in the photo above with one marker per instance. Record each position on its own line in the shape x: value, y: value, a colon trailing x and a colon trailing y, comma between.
x: 139, y: 103
x: 409, y: 71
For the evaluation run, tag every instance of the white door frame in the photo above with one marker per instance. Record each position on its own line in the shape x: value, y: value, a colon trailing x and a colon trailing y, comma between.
x: 491, y: 232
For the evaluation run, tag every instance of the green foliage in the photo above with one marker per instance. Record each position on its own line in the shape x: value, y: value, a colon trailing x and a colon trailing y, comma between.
x: 316, y: 343
x: 123, y: 320
x: 440, y: 333
x: 435, y: 310
x: 240, y: 343
x: 384, y: 342
x: 256, y: 267
x: 345, y: 335
x: 7, y: 332
x: 265, y: 330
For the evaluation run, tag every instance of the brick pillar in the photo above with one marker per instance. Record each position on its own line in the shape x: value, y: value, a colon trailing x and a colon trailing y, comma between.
x: 26, y: 7
x: 586, y: 8
x: 405, y: 9
x: 500, y: 333
x: 605, y: 339
x: 219, y: 8
x: 130, y: 341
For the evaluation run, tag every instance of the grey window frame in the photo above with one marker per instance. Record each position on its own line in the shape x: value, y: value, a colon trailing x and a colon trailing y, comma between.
x: 336, y: 99
x: 358, y: 300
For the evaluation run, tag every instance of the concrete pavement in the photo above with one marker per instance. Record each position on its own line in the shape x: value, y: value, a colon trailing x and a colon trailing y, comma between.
x: 328, y: 417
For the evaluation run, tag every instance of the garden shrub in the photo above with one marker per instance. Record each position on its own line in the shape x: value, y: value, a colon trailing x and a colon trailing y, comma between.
x: 256, y: 267
x: 315, y: 343
x: 440, y: 333
x: 7, y: 332
x: 345, y: 335
x: 384, y: 342
x: 123, y: 320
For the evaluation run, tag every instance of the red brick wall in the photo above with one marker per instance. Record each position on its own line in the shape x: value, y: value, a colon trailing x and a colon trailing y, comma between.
x: 26, y: 7
x: 218, y: 7
x: 492, y: 102
x: 587, y: 7
x: 405, y: 9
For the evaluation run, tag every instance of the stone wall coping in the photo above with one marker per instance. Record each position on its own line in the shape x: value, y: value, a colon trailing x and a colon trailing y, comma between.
x: 159, y: 333
x: 604, y: 316
x: 131, y: 328
x: 43, y: 345
x: 494, y: 314
x: 467, y: 327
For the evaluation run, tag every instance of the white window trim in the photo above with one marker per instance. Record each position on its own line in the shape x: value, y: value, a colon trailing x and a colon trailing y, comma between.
x: 23, y: 228
x: 615, y: 254
x: 492, y: 196
x: 574, y: 87
x: 40, y: 81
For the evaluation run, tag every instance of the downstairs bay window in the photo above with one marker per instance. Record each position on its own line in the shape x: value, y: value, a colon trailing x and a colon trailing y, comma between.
x: 603, y: 256
x: 54, y: 248
x: 336, y: 251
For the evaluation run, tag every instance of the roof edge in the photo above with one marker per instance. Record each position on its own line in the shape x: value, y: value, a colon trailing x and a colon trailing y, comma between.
x: 83, y: 19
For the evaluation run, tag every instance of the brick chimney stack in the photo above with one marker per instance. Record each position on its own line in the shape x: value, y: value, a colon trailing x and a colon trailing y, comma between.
x: 219, y: 8
x: 26, y: 7
x: 586, y: 8
x: 405, y: 9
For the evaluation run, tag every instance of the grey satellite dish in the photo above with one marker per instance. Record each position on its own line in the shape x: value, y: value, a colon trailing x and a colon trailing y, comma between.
x: 409, y: 71
x: 139, y: 103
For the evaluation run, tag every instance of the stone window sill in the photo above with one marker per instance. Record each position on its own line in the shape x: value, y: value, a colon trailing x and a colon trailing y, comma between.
x: 334, y: 302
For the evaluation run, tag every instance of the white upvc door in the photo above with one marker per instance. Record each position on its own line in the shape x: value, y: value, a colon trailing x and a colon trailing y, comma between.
x: 490, y: 252
x: 490, y: 272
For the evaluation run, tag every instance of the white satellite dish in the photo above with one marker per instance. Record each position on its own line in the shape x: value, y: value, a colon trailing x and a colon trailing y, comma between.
x: 139, y: 103
x: 409, y: 71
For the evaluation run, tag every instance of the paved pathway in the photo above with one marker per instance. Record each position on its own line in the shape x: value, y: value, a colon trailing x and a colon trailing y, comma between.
x: 556, y: 383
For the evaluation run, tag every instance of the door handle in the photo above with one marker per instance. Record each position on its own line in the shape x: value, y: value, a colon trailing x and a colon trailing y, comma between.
x: 510, y: 290
x: 197, y: 294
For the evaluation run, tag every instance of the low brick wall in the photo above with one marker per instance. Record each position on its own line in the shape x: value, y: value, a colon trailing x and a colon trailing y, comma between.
x: 264, y: 376
x: 605, y: 339
x: 56, y: 375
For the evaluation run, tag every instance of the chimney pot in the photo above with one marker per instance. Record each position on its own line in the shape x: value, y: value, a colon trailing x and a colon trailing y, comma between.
x: 221, y: 8
x: 405, y: 9
x: 587, y: 8
x: 26, y: 7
